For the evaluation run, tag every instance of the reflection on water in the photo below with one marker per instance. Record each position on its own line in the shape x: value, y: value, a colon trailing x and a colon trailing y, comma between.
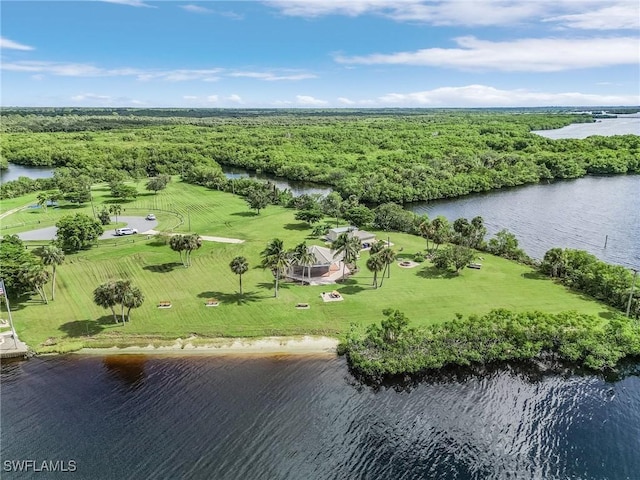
x: 127, y: 369
x: 578, y: 213
x: 298, y: 417
x: 16, y: 171
x: 297, y: 187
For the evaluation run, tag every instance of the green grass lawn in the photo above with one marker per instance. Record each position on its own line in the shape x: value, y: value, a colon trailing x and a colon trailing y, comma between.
x: 423, y: 293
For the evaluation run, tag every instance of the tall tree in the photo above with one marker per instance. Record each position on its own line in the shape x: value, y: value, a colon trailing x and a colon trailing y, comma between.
x: 239, y: 266
x: 555, y: 262
x: 375, y: 264
x: 42, y: 200
x: 36, y: 276
x: 478, y: 232
x: 258, y: 198
x: 441, y: 229
x: 115, y: 209
x: 332, y: 206
x: 105, y: 296
x: 77, y: 231
x: 54, y: 256
x: 388, y: 256
x: 132, y: 298
x: 123, y: 292
x: 158, y: 183
x: 349, y: 246
x: 277, y: 259
x: 309, y: 216
x: 191, y: 242
x: 303, y: 257
x: 177, y: 244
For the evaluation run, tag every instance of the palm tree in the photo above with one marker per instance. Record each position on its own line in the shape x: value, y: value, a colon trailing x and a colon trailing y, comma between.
x: 388, y: 256
x: 276, y: 258
x: 375, y: 264
x: 42, y: 200
x: 303, y: 257
x: 122, y: 288
x: 426, y: 231
x: 177, y: 244
x: 555, y: 261
x: 132, y: 298
x: 377, y: 247
x: 54, y: 256
x: 115, y: 209
x: 36, y: 276
x: 191, y: 242
x: 349, y: 247
x: 239, y: 266
x: 104, y: 296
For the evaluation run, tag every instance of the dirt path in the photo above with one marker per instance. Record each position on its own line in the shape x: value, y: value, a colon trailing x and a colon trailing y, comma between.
x: 203, y: 237
x: 12, y: 211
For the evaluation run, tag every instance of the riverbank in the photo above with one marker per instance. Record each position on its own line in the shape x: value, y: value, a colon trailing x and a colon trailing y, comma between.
x: 305, y: 345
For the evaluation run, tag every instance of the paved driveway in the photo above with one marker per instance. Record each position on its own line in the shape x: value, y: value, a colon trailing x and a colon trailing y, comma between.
x: 49, y: 233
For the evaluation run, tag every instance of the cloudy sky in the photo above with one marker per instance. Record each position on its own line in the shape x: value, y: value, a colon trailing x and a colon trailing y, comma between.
x: 328, y: 53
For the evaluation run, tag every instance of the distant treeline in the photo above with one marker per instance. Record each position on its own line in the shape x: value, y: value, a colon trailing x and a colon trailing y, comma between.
x: 396, y: 156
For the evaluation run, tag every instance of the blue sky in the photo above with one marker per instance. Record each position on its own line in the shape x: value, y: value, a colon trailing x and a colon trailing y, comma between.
x: 329, y: 53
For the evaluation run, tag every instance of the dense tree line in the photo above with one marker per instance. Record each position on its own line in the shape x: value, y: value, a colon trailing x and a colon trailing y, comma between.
x: 393, y: 348
x: 394, y: 157
x: 582, y: 271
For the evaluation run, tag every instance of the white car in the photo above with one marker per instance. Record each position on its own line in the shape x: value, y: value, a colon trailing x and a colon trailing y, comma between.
x: 151, y: 216
x: 126, y: 231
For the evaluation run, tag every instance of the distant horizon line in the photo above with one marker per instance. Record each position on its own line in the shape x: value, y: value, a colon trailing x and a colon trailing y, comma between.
x: 574, y: 107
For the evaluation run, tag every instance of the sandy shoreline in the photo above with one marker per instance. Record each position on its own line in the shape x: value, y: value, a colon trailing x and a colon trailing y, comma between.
x: 306, y: 345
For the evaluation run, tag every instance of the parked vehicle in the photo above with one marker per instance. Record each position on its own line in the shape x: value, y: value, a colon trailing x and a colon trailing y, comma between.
x: 126, y: 231
x: 151, y: 216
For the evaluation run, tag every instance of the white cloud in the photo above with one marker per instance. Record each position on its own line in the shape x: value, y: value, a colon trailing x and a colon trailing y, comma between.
x: 272, y: 77
x: 90, y: 96
x: 131, y: 3
x: 486, y: 96
x: 190, y: 97
x: 7, y: 44
x: 87, y: 70
x: 93, y: 99
x: 598, y: 14
x: 308, y: 100
x: 524, y: 55
x: 212, y: 98
x: 55, y: 68
x: 235, y: 98
x: 618, y: 17
x: 346, y: 101
x: 181, y: 75
x: 195, y: 9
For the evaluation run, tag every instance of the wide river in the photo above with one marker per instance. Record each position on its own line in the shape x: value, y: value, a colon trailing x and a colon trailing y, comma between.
x: 285, y: 417
x: 137, y: 417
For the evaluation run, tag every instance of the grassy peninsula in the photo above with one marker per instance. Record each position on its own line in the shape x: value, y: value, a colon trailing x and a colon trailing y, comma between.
x: 427, y: 295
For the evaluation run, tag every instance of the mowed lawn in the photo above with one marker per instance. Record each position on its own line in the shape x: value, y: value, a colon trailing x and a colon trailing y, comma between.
x: 423, y: 293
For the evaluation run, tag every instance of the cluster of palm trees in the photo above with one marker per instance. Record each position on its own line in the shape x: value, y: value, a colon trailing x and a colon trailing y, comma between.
x: 278, y: 259
x: 186, y: 244
x: 121, y: 292
x: 380, y: 259
x: 35, y: 275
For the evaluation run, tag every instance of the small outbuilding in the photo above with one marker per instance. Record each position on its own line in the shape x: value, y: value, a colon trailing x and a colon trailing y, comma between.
x: 366, y: 238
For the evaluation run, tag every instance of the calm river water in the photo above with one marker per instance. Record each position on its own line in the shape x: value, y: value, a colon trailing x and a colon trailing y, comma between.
x: 136, y: 417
